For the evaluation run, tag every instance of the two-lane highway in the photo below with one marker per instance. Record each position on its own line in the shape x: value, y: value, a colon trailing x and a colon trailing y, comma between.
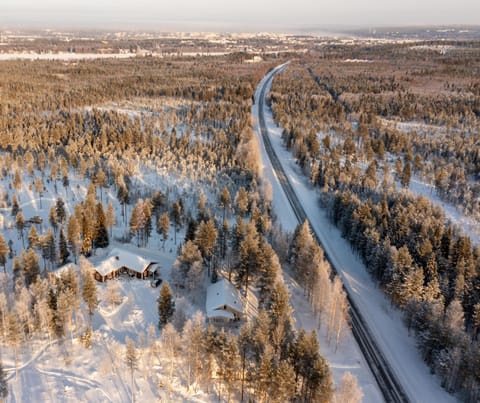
x: 386, y: 379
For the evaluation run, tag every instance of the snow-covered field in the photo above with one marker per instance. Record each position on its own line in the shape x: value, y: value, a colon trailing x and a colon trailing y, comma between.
x: 384, y: 320
x: 63, y: 56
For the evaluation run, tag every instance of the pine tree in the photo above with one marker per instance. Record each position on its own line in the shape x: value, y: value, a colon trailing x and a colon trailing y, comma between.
x: 249, y: 257
x: 241, y: 201
x: 283, y: 382
x: 170, y: 345
x: 14, y: 337
x: 205, y: 239
x: 158, y: 204
x: 176, y: 216
x: 100, y: 233
x: 188, y: 266
x: 63, y: 252
x: 147, y: 221
x: 56, y: 324
x: 193, y: 335
x: 228, y: 361
x: 33, y: 238
x: 136, y: 221
x: 89, y: 287
x: 53, y: 219
x: 163, y: 226
x: 406, y: 175
x: 3, y: 253
x: 30, y: 266
x: 131, y: 360
x: 73, y: 236
x: 49, y: 250
x: 124, y: 198
x: 223, y: 236
x: 110, y: 217
x: 224, y: 200
x: 166, y: 305
x: 39, y: 188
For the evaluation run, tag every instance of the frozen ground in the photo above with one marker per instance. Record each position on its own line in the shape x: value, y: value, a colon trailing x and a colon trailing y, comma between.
x: 384, y: 321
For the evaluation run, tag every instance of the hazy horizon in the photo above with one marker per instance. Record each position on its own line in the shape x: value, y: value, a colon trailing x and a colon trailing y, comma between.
x: 247, y: 15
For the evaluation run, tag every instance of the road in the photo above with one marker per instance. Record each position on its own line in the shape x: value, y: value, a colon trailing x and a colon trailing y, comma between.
x: 389, y: 385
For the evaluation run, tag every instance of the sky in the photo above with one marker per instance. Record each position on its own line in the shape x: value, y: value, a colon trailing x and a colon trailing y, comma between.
x: 237, y: 14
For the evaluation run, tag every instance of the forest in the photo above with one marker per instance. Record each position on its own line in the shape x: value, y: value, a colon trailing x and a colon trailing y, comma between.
x: 365, y: 124
x: 158, y: 155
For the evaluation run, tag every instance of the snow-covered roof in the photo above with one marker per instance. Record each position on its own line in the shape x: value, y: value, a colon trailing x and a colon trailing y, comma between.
x: 58, y: 272
x: 221, y: 294
x: 118, y: 258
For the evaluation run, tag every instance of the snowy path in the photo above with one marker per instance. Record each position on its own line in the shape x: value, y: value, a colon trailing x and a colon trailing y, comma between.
x: 348, y: 357
x: 384, y: 321
x: 33, y: 365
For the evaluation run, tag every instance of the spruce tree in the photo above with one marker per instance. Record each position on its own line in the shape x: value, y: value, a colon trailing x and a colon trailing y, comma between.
x: 60, y: 210
x: 63, y: 252
x: 89, y: 287
x: 3, y: 252
x: 3, y: 383
x: 20, y: 225
x: 166, y: 305
x: 100, y: 233
x: 15, y: 206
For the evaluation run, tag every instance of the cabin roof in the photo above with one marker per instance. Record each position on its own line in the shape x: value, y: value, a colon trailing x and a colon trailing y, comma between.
x: 118, y: 258
x: 221, y: 294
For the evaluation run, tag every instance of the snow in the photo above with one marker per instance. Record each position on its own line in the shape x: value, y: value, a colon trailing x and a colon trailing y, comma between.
x: 280, y: 203
x: 221, y: 294
x: 468, y: 224
x: 385, y: 322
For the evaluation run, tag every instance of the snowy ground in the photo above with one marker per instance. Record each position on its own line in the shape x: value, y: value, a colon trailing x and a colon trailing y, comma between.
x: 68, y: 372
x: 468, y: 224
x: 384, y: 321
x: 64, y: 56
x: 348, y: 356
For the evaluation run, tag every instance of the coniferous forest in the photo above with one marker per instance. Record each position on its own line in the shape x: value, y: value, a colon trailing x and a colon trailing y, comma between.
x: 367, y: 123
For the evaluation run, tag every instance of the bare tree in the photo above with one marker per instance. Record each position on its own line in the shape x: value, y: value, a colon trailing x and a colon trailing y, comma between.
x: 349, y: 391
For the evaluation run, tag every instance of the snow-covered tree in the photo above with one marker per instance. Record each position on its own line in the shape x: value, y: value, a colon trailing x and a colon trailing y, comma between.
x: 166, y: 305
x: 131, y: 360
